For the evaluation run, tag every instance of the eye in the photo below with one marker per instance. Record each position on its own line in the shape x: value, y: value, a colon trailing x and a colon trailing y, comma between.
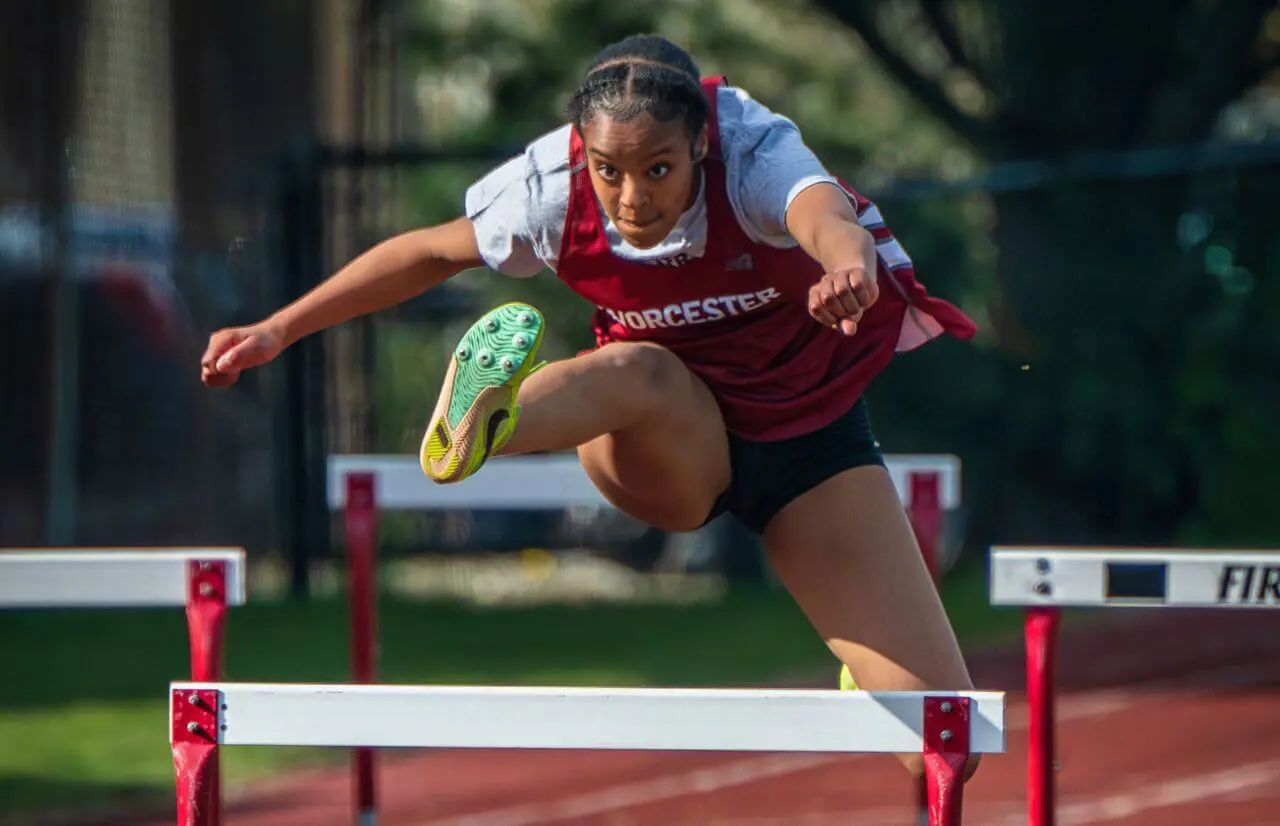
x: 659, y: 170
x: 607, y: 173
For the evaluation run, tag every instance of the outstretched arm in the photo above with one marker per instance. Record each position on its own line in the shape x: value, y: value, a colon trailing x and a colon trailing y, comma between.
x: 823, y: 222
x: 391, y: 272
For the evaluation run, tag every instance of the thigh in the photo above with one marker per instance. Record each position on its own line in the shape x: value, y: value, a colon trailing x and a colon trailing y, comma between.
x: 846, y: 552
x: 669, y: 468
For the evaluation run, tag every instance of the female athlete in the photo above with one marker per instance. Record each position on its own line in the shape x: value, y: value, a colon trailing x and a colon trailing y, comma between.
x: 746, y: 299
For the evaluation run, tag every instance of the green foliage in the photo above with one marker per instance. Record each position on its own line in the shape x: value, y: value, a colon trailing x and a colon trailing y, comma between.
x: 1125, y: 396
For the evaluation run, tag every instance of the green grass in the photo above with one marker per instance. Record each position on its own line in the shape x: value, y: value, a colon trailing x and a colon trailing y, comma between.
x: 82, y: 699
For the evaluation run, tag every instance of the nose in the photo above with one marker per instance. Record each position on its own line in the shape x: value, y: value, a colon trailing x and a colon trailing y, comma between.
x: 635, y: 195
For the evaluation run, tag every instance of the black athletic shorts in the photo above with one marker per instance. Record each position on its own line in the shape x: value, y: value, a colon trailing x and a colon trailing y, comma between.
x: 766, y: 476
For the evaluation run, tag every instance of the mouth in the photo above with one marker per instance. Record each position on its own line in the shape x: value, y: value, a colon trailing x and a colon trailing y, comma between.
x: 638, y: 225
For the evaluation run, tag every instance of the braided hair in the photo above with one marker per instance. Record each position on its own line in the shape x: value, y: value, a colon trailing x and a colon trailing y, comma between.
x: 644, y: 73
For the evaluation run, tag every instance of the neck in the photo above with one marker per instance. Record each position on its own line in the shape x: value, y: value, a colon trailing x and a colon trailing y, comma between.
x: 695, y: 189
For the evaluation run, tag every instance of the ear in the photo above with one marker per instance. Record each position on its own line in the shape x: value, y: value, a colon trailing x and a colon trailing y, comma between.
x: 701, y: 145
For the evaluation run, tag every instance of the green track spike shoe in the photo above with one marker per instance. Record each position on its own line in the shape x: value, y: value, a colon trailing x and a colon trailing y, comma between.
x: 477, y: 411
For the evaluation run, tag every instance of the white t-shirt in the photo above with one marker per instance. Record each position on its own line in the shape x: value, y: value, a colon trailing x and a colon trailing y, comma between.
x: 519, y: 208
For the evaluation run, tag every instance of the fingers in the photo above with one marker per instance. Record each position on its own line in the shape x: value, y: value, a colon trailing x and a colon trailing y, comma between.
x: 218, y: 364
x: 212, y: 379
x: 841, y: 297
x: 864, y: 290
x: 243, y: 355
x: 818, y: 303
x: 219, y: 343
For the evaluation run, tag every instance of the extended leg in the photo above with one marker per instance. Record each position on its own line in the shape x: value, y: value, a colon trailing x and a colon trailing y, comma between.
x: 846, y: 552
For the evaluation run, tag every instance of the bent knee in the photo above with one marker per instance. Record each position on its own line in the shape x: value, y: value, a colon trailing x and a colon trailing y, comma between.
x: 656, y: 376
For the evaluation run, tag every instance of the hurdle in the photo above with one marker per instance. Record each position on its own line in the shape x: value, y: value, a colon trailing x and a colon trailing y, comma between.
x: 947, y: 727
x: 360, y: 485
x: 928, y: 485
x: 1045, y: 580
x: 203, y: 580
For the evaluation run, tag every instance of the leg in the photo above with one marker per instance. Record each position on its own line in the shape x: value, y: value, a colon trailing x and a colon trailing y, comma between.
x: 648, y: 431
x: 846, y: 552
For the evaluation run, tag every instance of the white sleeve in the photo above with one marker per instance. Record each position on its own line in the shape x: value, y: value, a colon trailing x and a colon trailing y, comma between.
x: 498, y: 207
x: 519, y: 209
x: 767, y: 164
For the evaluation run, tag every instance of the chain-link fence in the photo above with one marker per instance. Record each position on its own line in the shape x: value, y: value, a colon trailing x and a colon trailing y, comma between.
x: 138, y: 141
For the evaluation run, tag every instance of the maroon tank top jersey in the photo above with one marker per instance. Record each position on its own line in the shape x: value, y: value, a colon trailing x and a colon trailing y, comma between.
x: 738, y: 316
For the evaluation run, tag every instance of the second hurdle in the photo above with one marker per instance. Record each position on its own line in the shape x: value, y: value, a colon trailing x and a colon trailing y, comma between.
x: 1044, y: 580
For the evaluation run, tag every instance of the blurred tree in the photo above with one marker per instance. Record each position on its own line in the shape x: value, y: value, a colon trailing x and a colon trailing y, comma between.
x: 1125, y: 402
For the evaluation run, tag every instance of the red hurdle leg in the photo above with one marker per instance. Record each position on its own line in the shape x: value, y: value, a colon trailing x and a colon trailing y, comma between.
x: 946, y: 750
x: 362, y: 554
x: 195, y: 720
x: 1041, y: 633
x: 206, y: 618
x: 206, y: 626
x: 924, y: 509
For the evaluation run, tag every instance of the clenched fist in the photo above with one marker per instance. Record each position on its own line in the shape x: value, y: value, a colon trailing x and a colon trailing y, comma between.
x: 238, y: 348
x: 842, y: 296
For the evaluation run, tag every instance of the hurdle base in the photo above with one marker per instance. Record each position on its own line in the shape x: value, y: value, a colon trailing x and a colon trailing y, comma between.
x: 946, y: 752
x: 194, y: 765
x: 196, y: 719
x: 1040, y: 630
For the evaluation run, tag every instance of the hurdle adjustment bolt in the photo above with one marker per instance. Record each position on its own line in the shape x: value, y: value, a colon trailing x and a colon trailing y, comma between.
x: 946, y: 708
x: 206, y: 590
x: 193, y: 699
x: 1042, y: 588
x: 945, y: 735
x: 1042, y: 566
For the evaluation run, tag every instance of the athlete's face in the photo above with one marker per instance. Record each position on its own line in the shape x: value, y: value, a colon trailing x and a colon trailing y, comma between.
x: 643, y: 172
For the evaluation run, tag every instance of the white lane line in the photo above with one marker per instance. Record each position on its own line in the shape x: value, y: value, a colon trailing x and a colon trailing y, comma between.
x: 1241, y: 781
x: 749, y: 770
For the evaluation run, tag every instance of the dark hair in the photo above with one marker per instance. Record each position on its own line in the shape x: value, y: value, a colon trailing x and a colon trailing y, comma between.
x: 641, y: 73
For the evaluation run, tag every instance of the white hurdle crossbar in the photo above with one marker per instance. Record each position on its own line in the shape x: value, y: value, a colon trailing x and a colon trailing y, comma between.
x: 114, y: 577
x: 557, y: 480
x: 203, y: 580
x: 1044, y: 580
x: 1135, y: 577
x: 946, y: 726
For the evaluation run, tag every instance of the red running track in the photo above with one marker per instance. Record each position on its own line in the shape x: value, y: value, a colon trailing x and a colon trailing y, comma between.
x: 1169, y: 719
